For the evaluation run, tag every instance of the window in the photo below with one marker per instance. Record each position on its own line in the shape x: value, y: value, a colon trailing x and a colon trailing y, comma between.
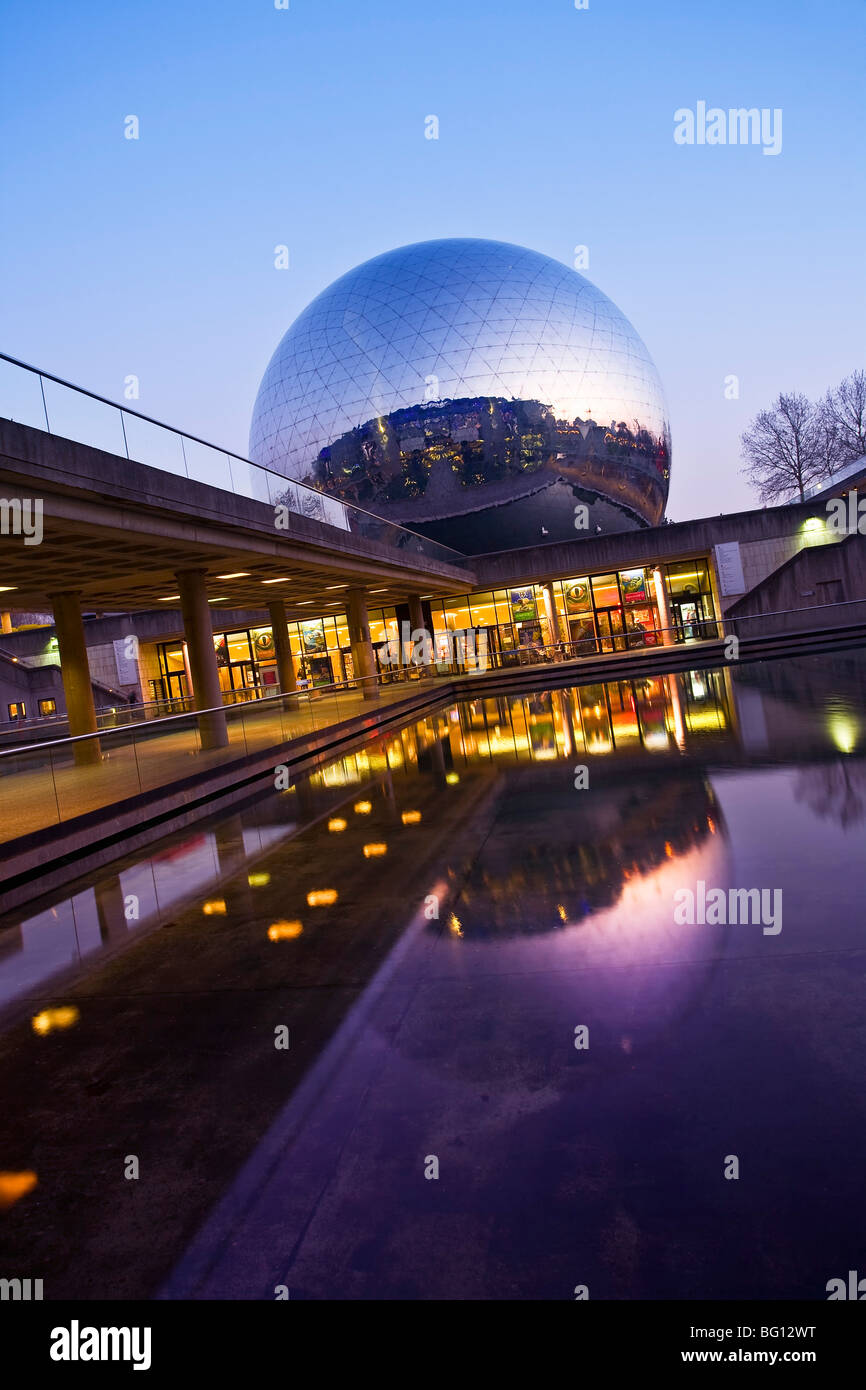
x: 47, y: 707
x: 18, y: 710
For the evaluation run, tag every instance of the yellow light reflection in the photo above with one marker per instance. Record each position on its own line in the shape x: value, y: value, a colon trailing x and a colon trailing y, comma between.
x: 258, y: 880
x: 455, y: 926
x: 14, y: 1186
x: 284, y: 931
x: 363, y: 808
x: 215, y: 907
x: 563, y: 915
x: 411, y: 817
x: 452, y: 779
x: 49, y: 1019
x: 322, y: 897
x: 375, y: 851
x: 336, y: 825
x: 844, y: 731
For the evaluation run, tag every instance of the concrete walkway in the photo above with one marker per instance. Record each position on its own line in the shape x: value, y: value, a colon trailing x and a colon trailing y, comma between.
x: 45, y: 787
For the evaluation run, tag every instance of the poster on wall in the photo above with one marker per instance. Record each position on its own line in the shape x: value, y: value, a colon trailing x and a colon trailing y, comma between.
x: 313, y: 635
x: 633, y: 584
x: 264, y: 645
x: 523, y: 608
x: 577, y: 596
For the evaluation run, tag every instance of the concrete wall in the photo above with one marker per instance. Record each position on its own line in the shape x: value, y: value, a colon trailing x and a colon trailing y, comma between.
x: 817, y: 575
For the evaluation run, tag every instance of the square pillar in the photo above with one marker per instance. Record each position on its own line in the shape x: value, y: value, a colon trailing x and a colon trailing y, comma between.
x: 75, y: 673
x: 362, y: 648
x: 283, y: 648
x: 198, y: 630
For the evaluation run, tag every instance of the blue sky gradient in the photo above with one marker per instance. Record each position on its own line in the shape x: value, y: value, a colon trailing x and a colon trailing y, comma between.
x: 306, y: 127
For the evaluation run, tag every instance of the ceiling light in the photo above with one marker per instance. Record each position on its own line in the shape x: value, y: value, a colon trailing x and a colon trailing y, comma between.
x: 172, y: 598
x: 284, y: 580
x: 378, y: 591
x: 7, y: 588
x: 336, y: 586
x: 240, y: 574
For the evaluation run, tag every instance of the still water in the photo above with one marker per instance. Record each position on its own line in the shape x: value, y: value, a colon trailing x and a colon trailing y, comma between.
x: 429, y: 1024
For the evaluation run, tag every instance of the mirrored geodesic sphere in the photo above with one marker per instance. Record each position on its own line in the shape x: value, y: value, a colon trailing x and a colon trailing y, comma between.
x: 479, y: 392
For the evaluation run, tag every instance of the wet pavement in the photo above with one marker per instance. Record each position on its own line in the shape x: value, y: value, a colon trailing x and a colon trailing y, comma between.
x: 432, y: 1130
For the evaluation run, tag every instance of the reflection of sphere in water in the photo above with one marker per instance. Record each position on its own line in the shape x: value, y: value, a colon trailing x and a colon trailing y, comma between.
x: 625, y: 969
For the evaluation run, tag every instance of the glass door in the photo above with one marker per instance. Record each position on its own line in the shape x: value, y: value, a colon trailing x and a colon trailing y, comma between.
x: 610, y: 629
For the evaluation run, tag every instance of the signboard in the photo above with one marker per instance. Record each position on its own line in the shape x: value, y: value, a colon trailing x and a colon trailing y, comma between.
x: 127, y: 666
x: 729, y: 567
x: 313, y: 635
x: 577, y: 596
x: 633, y: 584
x: 523, y: 605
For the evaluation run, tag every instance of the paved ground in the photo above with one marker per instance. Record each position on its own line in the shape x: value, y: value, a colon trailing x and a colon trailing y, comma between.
x: 46, y: 787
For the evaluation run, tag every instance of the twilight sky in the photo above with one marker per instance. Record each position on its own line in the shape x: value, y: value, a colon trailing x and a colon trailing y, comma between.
x: 305, y: 127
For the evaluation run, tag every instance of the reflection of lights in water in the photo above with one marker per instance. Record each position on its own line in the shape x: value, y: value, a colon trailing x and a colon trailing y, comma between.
x: 284, y: 931
x: 563, y: 915
x: 452, y: 779
x: 699, y: 690
x: 658, y: 739
x: 411, y: 817
x: 454, y: 716
x: 669, y: 849
x: 454, y: 925
x: 214, y: 907
x: 321, y: 897
x: 363, y: 808
x: 375, y: 851
x: 258, y: 880
x: 711, y: 825
x: 844, y: 731
x: 336, y: 825
x: 14, y: 1186
x: 49, y: 1019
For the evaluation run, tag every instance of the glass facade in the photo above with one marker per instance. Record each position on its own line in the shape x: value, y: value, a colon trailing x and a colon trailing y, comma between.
x: 585, y: 616
x: 589, y: 615
x: 246, y: 659
x: 473, y: 390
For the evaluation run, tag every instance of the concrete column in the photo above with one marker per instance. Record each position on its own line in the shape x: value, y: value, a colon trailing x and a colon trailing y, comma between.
x: 75, y: 672
x: 187, y: 672
x: 198, y: 630
x: 668, y: 639
x: 5, y: 622
x: 552, y: 617
x: 283, y: 647
x: 359, y: 636
x: 417, y: 623
x: 110, y: 909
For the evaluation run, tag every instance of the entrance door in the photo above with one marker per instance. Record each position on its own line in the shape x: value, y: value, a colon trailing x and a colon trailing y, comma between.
x: 610, y: 630
x: 688, y: 614
x: 177, y: 685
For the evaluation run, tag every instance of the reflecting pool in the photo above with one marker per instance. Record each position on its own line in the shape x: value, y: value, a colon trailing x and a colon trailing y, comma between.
x: 456, y: 1016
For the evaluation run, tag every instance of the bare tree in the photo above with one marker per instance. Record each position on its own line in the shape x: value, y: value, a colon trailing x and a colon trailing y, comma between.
x: 782, y: 449
x: 846, y: 408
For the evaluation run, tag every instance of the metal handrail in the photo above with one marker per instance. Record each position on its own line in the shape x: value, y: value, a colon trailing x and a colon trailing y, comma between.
x: 223, y: 709
x: 174, y: 718
x: 217, y: 448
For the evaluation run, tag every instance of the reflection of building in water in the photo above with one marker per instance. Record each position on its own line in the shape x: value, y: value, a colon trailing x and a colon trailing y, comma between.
x: 652, y: 714
x: 581, y: 851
